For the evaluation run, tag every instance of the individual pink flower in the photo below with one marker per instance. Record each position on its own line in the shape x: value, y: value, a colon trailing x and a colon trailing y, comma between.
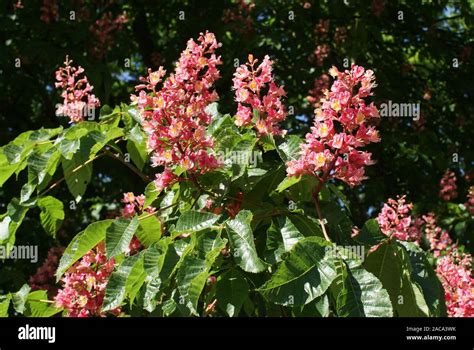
x: 76, y: 92
x: 256, y: 92
x: 329, y: 154
x: 448, y: 186
x: 174, y: 116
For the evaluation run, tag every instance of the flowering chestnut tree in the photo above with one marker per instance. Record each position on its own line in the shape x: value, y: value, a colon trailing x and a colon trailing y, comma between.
x: 237, y: 216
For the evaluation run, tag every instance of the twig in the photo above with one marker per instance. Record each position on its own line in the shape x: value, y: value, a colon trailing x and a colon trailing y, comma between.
x: 144, y: 177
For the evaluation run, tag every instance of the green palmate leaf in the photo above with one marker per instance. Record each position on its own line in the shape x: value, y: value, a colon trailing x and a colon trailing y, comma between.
x: 392, y: 267
x: 194, y: 270
x: 304, y: 275
x: 288, y: 182
x: 231, y: 290
x: 11, y: 221
x: 281, y: 237
x: 71, y: 140
x: 339, y: 226
x: 151, y: 194
x: 101, y: 137
x: 288, y: 147
x: 52, y: 214
x: 423, y: 274
x: 137, y: 153
x: 37, y: 305
x: 386, y: 266
x: 152, y: 288
x: 42, y: 163
x: 240, y: 158
x: 153, y: 262
x: 26, y: 191
x: 77, y: 172
x: 119, y: 235
x: 340, y: 195
x: 81, y: 244
x: 370, y: 234
x: 136, y: 146
x: 319, y: 307
x: 194, y: 221
x: 149, y: 231
x: 135, y: 281
x: 302, y: 190
x: 119, y: 280
x: 6, y: 167
x: 357, y: 292
x: 242, y: 243
x: 412, y: 302
x: 19, y: 298
x: 4, y: 304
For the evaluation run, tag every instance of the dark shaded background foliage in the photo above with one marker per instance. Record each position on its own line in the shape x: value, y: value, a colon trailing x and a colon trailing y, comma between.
x: 411, y: 57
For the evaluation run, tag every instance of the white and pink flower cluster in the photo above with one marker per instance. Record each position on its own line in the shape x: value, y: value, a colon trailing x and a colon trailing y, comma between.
x: 341, y: 126
x: 455, y: 272
x: 174, y: 115
x: 257, y: 93
x: 84, y: 284
x: 453, y: 268
x: 448, y: 186
x: 395, y: 220
x: 76, y: 92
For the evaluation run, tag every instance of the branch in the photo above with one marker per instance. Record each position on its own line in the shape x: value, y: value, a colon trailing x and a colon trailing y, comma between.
x: 143, y: 176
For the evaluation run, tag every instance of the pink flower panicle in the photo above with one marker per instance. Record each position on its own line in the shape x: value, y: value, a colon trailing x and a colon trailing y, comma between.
x: 321, y: 85
x: 455, y: 273
x: 78, y: 99
x: 103, y: 29
x: 343, y: 108
x: 320, y: 53
x: 453, y: 268
x: 448, y: 186
x: 249, y: 85
x: 395, y: 220
x: 439, y: 239
x: 174, y: 115
x: 84, y: 284
x: 44, y: 278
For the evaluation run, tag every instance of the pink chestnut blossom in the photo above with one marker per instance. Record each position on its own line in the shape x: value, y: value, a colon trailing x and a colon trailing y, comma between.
x: 395, y: 220
x: 330, y: 154
x: 448, y: 186
x: 255, y: 90
x: 78, y: 99
x: 174, y: 115
x: 455, y: 273
x: 84, y: 284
